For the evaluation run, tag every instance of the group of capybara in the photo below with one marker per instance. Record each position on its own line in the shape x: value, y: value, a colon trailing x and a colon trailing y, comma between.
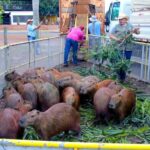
x: 49, y: 100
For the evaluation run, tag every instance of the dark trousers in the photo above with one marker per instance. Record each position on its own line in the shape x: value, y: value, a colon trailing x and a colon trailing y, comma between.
x: 126, y: 54
x: 70, y: 44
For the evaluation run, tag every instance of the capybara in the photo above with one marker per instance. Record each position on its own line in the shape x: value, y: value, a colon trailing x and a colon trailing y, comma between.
x: 58, y: 118
x: 94, y: 87
x: 27, y: 91
x: 71, y: 97
x: 59, y: 75
x: 2, y: 103
x: 12, y: 75
x: 8, y: 90
x: 115, y: 86
x: 55, y: 73
x: 87, y: 82
x: 123, y: 103
x: 101, y: 101
x: 33, y: 72
x: 48, y: 77
x: 103, y: 83
x: 69, y: 81
x: 73, y: 74
x: 14, y: 100
x: 48, y: 94
x: 9, y: 122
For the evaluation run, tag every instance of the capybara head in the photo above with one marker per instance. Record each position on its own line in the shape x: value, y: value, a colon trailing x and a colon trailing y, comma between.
x: 115, y: 86
x: 18, y: 81
x: 115, y: 101
x: 64, y: 81
x: 8, y: 90
x: 11, y: 76
x: 29, y: 118
x: 14, y: 101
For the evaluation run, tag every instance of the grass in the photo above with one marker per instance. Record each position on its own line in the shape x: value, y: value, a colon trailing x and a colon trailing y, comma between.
x: 134, y: 129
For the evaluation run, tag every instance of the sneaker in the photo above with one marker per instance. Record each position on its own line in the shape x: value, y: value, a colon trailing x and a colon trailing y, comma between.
x: 65, y: 65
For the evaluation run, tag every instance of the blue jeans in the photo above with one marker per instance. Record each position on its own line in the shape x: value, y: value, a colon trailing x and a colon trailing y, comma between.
x: 30, y: 38
x: 71, y: 44
x: 126, y: 54
x: 36, y: 45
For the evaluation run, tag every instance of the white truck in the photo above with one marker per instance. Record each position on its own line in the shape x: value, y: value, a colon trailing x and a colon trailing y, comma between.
x: 138, y: 12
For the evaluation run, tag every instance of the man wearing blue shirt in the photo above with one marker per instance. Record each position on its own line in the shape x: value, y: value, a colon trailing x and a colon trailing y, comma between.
x: 32, y: 34
x: 32, y: 30
x: 94, y: 29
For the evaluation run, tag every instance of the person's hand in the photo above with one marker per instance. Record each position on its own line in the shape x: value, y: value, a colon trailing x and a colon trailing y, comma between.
x: 119, y: 40
x: 136, y: 30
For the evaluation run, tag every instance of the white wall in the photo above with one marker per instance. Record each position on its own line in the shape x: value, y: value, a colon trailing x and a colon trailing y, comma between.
x: 20, y: 13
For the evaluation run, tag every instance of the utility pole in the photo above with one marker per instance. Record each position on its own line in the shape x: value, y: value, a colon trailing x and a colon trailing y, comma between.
x: 35, y: 6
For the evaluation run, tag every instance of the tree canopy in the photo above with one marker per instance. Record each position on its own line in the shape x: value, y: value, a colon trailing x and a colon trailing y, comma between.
x: 49, y: 7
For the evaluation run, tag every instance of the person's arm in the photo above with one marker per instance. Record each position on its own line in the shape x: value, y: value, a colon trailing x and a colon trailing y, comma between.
x: 37, y: 27
x: 112, y: 35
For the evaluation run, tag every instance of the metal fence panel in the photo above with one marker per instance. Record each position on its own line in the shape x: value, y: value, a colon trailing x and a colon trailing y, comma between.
x: 41, y: 53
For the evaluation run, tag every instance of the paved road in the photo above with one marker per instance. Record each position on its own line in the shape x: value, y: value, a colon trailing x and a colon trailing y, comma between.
x: 20, y: 36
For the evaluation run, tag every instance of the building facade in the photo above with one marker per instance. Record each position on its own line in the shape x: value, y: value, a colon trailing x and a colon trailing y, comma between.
x: 20, y: 10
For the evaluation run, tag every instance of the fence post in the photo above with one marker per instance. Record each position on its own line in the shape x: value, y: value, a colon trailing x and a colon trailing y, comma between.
x: 142, y: 63
x: 148, y: 72
x: 6, y: 59
x: 49, y: 64
x: 29, y: 45
x: 5, y: 36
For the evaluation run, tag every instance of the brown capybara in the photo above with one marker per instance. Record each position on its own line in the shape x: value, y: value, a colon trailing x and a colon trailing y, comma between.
x: 55, y: 73
x: 101, y: 84
x: 12, y: 75
x: 27, y: 91
x: 48, y: 94
x: 33, y: 72
x: 9, y: 122
x: 123, y: 103
x: 115, y: 86
x: 69, y: 81
x: 9, y: 127
x: 48, y: 77
x: 8, y: 90
x: 2, y: 103
x: 101, y: 101
x: 73, y: 74
x: 71, y: 97
x: 14, y: 101
x: 87, y: 82
x: 58, y: 118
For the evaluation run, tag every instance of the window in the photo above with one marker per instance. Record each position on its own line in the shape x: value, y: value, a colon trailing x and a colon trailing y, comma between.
x: 115, y: 10
x: 17, y: 19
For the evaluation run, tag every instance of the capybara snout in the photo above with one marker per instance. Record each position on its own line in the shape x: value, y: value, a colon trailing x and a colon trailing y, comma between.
x: 29, y: 118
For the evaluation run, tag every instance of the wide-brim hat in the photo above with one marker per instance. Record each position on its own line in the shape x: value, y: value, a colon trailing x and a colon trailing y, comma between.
x: 29, y: 20
x: 123, y: 16
x: 93, y: 18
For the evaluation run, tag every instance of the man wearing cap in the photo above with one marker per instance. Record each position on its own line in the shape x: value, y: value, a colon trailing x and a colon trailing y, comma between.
x: 94, y: 28
x: 31, y: 30
x: 32, y: 34
x: 121, y: 31
x: 74, y: 36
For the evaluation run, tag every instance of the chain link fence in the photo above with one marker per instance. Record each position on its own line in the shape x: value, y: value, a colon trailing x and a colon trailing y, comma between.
x: 40, y: 53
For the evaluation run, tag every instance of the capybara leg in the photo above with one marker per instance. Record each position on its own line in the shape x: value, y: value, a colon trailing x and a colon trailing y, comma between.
x: 96, y: 120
